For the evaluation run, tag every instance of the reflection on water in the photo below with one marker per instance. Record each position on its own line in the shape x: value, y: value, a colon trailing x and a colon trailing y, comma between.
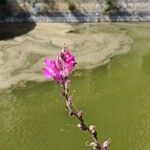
x: 11, y: 30
x: 115, y: 97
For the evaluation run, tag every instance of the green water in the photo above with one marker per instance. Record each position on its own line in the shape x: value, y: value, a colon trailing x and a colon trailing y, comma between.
x: 114, y: 97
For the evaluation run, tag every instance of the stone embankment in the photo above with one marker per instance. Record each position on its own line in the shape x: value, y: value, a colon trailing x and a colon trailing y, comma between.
x: 123, y: 16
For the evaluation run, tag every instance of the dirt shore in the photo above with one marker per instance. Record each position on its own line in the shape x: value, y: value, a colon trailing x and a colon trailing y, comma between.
x: 21, y: 58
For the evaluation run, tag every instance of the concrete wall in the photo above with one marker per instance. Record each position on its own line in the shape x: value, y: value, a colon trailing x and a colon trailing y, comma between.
x: 134, y: 10
x: 87, y: 5
x: 81, y: 17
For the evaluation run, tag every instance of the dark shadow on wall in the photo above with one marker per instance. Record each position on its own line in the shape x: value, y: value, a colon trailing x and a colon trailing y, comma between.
x: 120, y: 16
x: 11, y: 30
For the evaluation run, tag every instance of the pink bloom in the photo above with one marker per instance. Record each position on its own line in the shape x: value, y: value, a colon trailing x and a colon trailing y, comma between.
x: 51, y: 70
x: 69, y: 60
x: 60, y: 68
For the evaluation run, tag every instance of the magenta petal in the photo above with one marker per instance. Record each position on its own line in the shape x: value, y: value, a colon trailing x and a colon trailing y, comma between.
x: 46, y: 74
x: 58, y: 79
x: 58, y: 65
x: 69, y: 59
x: 49, y: 63
x: 65, y: 72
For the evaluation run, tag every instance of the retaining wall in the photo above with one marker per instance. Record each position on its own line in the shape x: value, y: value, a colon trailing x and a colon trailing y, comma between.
x: 80, y: 17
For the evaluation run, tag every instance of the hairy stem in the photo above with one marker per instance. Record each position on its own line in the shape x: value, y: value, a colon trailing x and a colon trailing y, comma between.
x: 79, y: 116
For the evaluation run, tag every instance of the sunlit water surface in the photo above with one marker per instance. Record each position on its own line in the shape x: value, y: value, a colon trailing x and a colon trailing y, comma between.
x: 114, y: 97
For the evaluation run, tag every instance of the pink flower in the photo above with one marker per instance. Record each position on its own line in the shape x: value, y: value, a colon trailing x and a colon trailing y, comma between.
x: 61, y: 68
x: 69, y: 60
x: 51, y: 70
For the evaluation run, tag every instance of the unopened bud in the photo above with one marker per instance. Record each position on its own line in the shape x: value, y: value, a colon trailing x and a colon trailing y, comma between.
x: 70, y: 113
x: 93, y: 131
x: 106, y: 144
x: 92, y: 127
x: 95, y: 145
x: 79, y: 126
x: 82, y: 127
x: 79, y: 114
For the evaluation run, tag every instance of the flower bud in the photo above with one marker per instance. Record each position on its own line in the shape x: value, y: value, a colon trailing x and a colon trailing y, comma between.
x: 106, y: 145
x: 93, y: 131
x: 95, y: 145
x: 92, y: 127
x: 79, y: 114
x: 71, y: 113
x: 79, y: 126
x: 82, y: 127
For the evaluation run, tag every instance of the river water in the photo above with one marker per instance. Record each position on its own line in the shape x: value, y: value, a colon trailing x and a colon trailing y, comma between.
x: 114, y: 97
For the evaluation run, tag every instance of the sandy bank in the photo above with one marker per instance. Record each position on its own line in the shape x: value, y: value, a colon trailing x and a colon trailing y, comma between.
x: 22, y: 58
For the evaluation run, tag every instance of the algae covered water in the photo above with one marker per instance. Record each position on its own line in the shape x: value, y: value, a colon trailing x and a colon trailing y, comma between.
x: 114, y: 97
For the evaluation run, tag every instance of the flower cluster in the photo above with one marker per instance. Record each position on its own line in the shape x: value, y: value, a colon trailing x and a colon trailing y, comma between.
x: 59, y: 69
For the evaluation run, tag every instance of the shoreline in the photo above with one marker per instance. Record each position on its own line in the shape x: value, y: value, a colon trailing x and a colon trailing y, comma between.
x: 92, y: 48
